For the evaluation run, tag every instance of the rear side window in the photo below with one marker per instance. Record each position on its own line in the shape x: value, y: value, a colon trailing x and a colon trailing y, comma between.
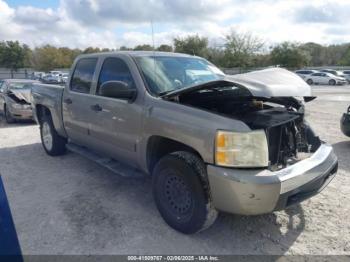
x: 83, y: 75
x: 115, y: 69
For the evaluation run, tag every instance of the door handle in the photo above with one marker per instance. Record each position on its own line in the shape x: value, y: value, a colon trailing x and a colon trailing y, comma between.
x: 68, y: 101
x: 96, y: 108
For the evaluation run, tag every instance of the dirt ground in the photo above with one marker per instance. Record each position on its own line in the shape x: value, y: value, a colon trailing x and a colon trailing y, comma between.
x: 69, y: 205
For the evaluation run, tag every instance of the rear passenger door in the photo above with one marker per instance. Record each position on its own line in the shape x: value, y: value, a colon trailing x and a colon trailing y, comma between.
x: 76, y: 100
x: 324, y: 79
x: 115, y: 126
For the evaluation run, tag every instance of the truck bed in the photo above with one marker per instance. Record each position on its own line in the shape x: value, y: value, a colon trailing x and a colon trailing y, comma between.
x: 49, y: 96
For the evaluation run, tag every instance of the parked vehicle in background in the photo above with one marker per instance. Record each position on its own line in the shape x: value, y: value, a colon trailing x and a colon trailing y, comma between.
x: 37, y: 75
x: 211, y: 142
x: 325, y: 79
x: 65, y: 77
x: 15, y: 99
x: 333, y: 72
x: 345, y: 123
x: 305, y: 73
x: 52, y: 78
x: 55, y: 73
x: 346, y: 74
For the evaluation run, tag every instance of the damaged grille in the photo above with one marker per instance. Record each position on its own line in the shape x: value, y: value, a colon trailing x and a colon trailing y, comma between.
x: 287, y: 133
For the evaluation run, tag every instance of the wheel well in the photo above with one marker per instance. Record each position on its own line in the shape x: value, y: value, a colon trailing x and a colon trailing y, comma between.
x: 158, y: 147
x: 41, y: 111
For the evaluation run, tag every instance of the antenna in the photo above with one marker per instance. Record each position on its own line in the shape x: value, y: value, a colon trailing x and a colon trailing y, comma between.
x: 154, y: 48
x: 154, y: 52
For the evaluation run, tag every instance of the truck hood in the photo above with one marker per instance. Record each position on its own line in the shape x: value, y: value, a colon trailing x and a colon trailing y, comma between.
x: 22, y: 94
x: 272, y: 82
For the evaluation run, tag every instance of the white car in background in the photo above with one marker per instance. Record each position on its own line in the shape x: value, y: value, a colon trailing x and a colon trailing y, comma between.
x: 64, y: 77
x: 346, y: 74
x: 325, y: 78
x: 304, y: 73
x: 333, y: 72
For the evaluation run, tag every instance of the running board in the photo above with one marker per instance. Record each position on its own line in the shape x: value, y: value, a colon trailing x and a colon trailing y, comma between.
x: 109, y: 163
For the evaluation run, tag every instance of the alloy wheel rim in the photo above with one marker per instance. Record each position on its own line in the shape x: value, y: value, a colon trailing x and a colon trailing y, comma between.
x: 47, y: 136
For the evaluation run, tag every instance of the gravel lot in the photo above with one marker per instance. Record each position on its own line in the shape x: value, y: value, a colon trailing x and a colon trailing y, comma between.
x: 69, y: 205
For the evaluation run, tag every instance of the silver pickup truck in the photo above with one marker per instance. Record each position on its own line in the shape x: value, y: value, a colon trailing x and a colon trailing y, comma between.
x: 211, y: 142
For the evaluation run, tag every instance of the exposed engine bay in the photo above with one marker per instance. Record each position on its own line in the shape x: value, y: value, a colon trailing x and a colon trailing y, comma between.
x: 290, y: 138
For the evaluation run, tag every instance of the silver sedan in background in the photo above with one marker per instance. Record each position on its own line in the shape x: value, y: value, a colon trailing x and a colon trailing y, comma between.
x: 325, y: 78
x: 15, y: 99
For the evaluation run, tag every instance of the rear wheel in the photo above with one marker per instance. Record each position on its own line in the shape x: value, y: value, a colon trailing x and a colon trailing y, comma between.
x: 309, y: 81
x: 181, y: 194
x: 52, y: 142
x: 332, y: 82
x: 8, y: 116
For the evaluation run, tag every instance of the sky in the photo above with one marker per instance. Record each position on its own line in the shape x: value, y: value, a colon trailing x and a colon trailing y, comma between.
x: 115, y: 23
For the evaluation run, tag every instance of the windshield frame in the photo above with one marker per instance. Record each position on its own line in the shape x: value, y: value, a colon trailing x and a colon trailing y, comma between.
x: 159, y: 95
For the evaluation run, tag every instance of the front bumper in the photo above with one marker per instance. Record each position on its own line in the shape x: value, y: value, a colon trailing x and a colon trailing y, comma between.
x: 20, y: 113
x: 256, y: 191
x: 342, y: 82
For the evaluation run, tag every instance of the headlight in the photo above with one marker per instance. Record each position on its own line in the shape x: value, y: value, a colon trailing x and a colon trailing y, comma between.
x: 20, y: 106
x: 236, y: 149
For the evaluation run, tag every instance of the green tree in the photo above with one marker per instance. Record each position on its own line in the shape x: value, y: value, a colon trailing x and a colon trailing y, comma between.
x: 91, y: 50
x: 125, y: 48
x: 14, y: 55
x: 165, y: 48
x: 241, y: 48
x: 216, y: 56
x: 289, y: 55
x: 193, y: 45
x: 144, y: 47
x: 345, y: 61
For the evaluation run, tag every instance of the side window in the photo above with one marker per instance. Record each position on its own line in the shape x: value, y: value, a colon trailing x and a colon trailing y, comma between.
x: 83, y: 75
x: 115, y: 69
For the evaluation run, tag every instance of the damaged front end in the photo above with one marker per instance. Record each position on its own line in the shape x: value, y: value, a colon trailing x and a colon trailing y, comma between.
x: 289, y: 137
x: 19, y: 104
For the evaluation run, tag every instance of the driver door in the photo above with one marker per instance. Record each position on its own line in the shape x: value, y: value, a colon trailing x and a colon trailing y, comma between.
x: 115, y: 123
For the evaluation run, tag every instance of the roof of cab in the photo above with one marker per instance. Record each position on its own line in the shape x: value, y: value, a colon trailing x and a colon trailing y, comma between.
x: 136, y: 54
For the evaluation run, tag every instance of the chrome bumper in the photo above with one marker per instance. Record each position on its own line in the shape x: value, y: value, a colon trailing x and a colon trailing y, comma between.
x: 256, y: 191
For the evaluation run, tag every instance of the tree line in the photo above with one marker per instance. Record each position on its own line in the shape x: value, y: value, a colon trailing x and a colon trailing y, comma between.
x: 242, y: 50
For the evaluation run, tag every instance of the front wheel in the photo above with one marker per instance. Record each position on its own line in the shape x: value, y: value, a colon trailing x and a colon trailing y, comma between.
x: 180, y: 193
x: 53, y: 143
x: 310, y: 82
x: 332, y: 82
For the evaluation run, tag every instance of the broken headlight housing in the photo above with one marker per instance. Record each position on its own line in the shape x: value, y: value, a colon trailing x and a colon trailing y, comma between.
x: 238, y: 149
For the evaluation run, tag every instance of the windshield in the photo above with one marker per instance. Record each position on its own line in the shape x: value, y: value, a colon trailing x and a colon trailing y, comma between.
x: 165, y: 74
x: 18, y: 85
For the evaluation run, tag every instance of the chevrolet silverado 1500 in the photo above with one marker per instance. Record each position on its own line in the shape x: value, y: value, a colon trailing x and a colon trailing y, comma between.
x: 211, y: 142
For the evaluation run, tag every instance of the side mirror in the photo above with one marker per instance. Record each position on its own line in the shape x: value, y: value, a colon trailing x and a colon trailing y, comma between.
x: 117, y: 89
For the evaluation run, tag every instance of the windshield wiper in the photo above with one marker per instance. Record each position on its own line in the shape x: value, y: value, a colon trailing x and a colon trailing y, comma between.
x: 165, y: 93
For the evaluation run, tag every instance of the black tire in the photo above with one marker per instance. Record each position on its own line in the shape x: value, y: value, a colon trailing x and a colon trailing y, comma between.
x: 332, y: 82
x: 57, y: 146
x: 181, y: 192
x: 8, y: 117
x: 309, y: 81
